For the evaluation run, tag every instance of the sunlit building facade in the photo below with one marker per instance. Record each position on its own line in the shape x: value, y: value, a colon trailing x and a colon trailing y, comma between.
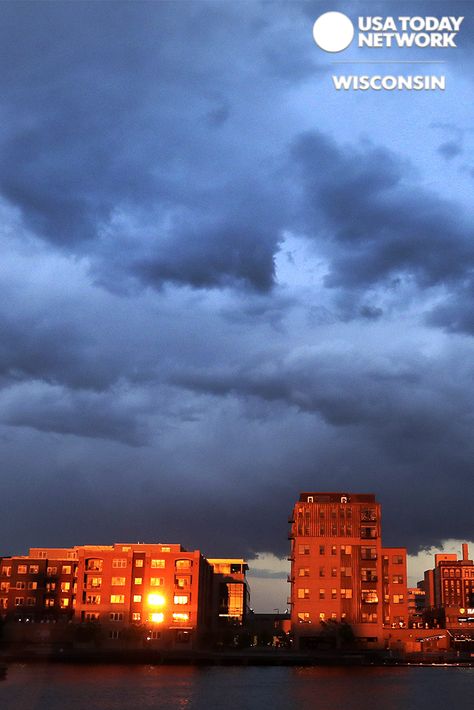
x: 450, y: 590
x: 340, y: 573
x: 163, y: 589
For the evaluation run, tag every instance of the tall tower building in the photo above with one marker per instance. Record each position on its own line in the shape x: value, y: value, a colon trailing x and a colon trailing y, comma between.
x: 340, y: 572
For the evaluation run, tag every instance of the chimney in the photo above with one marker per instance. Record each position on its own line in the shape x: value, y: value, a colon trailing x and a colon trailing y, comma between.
x: 465, y: 552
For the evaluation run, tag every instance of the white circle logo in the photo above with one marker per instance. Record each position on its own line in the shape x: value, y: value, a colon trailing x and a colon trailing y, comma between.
x: 333, y: 31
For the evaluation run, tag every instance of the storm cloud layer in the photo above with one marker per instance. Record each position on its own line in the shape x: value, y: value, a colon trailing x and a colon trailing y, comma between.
x: 222, y: 283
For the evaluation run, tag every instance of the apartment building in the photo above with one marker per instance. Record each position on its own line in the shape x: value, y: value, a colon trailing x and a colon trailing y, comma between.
x: 162, y: 589
x: 340, y: 573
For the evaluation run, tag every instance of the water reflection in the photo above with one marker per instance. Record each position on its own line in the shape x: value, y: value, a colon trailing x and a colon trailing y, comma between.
x: 69, y: 687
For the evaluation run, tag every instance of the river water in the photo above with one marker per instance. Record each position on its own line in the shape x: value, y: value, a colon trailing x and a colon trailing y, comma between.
x: 116, y: 687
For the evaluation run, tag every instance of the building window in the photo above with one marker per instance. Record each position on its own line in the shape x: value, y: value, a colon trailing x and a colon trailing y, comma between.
x: 367, y: 617
x: 94, y: 565
x: 303, y: 593
x: 369, y: 596
x: 114, y: 634
x: 334, y: 572
x: 333, y: 593
x: 22, y: 569
x: 93, y: 599
x: 117, y: 598
x: 138, y: 563
x: 155, y: 635
x: 34, y: 569
x: 397, y: 560
x: 181, y: 599
x: 322, y: 615
x: 368, y: 574
x: 346, y: 549
x: 333, y: 550
x: 49, y: 602
x: 179, y: 616
x: 368, y: 553
x: 51, y: 571
x: 136, y: 616
x: 346, y: 571
x: 183, y: 582
x: 42, y: 554
x: 137, y: 597
x: 118, y: 581
x: 19, y: 601
x: 303, y: 617
x: 397, y: 579
x: 166, y: 549
x: 346, y: 593
x: 65, y: 586
x: 31, y: 601
x: 94, y: 582
x: 6, y: 571
x: 21, y: 585
x: 32, y: 585
x: 91, y: 616
x: 138, y: 580
x: 398, y: 598
x: 64, y: 602
x: 4, y: 586
x: 158, y: 564
x: 157, y: 617
x: 322, y: 550
x: 157, y: 582
x: 184, y: 564
x: 119, y: 563
x: 303, y: 572
x: 322, y: 593
x: 322, y: 572
x: 116, y: 616
x: 66, y: 569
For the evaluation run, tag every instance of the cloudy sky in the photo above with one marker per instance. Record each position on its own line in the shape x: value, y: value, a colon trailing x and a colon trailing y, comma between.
x: 223, y: 282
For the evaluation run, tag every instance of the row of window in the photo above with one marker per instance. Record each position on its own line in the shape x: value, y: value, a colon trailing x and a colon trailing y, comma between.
x: 96, y: 564
x: 64, y: 603
x: 95, y: 599
x: 51, y: 586
x: 368, y: 596
x: 96, y: 582
x: 34, y: 569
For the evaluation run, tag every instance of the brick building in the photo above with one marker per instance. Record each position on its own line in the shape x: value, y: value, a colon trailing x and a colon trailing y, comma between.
x: 340, y: 572
x: 161, y: 589
x: 449, y: 591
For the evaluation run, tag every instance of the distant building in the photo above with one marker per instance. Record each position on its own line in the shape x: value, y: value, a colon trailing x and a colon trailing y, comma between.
x: 340, y: 573
x: 450, y: 592
x: 230, y: 591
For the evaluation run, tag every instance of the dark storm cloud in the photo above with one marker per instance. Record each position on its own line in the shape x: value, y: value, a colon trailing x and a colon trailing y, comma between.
x: 80, y: 414
x: 378, y: 223
x: 113, y: 107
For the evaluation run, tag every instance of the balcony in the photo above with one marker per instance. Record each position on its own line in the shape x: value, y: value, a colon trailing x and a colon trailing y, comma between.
x: 368, y: 516
x: 369, y: 597
x: 368, y: 533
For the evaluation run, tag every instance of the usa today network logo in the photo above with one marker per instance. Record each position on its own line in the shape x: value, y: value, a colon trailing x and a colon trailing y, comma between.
x: 334, y: 32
